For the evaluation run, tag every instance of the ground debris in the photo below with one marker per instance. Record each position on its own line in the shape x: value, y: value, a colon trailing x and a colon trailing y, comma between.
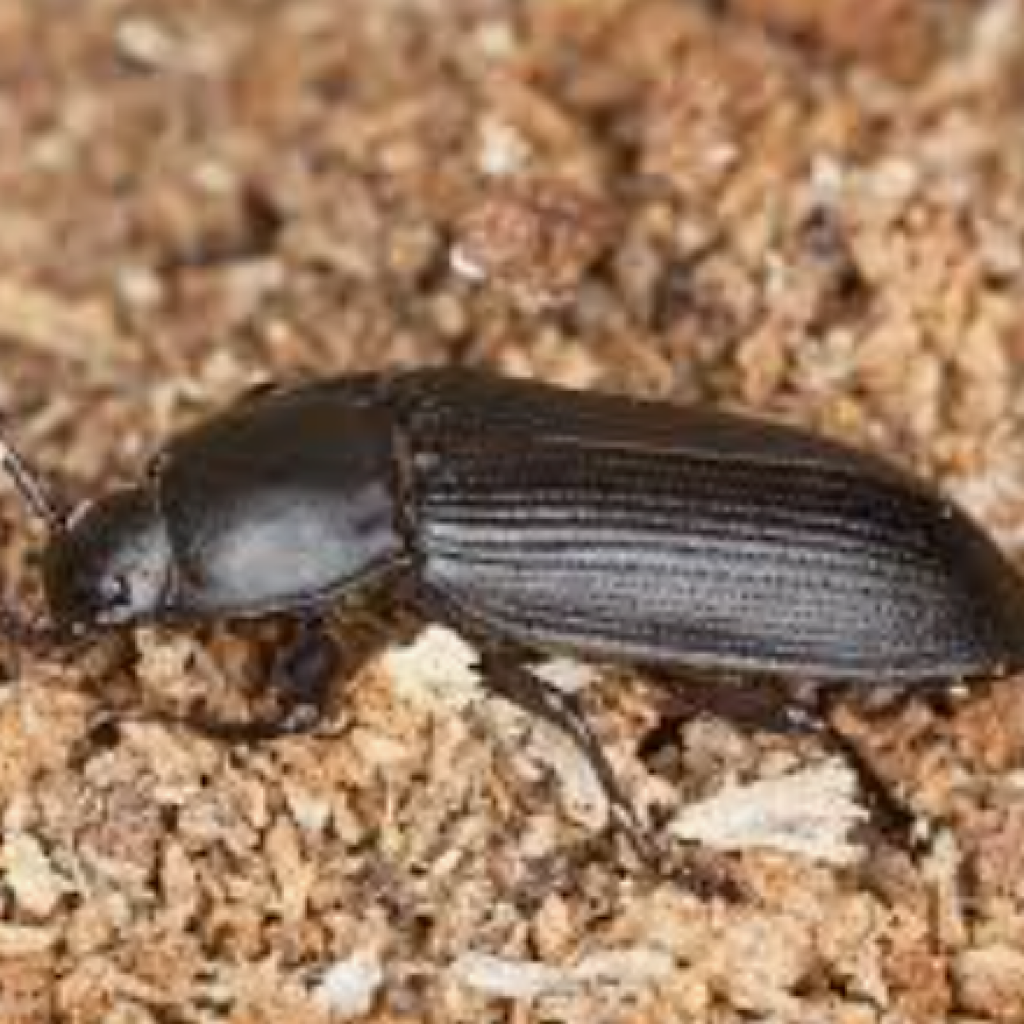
x: 536, y: 238
x: 810, y: 813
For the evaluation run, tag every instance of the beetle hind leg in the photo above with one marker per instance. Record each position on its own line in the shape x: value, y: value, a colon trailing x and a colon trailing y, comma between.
x: 769, y: 707
x: 783, y: 710
x: 506, y: 676
x: 893, y: 816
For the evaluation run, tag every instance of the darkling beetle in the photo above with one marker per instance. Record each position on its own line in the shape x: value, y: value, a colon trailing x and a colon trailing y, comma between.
x: 540, y: 519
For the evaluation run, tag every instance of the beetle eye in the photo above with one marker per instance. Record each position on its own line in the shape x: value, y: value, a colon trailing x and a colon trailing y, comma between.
x: 115, y: 592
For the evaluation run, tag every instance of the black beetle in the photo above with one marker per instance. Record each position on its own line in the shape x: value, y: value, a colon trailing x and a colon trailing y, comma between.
x: 540, y: 518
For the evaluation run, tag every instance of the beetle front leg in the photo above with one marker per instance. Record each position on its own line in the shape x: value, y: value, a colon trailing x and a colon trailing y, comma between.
x: 302, y: 673
x: 505, y: 675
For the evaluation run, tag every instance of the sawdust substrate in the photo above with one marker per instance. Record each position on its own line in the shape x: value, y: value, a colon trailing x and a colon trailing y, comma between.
x: 809, y: 210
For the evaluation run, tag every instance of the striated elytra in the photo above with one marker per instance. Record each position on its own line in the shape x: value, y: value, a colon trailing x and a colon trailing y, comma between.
x: 539, y: 518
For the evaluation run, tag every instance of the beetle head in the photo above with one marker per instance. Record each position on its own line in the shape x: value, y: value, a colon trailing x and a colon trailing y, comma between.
x: 105, y: 565
x: 109, y: 565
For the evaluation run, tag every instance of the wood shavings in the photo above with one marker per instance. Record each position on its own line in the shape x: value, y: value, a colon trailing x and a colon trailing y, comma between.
x: 763, y: 958
x: 437, y: 670
x: 567, y: 674
x: 294, y: 875
x: 808, y: 813
x: 167, y: 664
x: 625, y: 967
x: 994, y: 42
x: 943, y: 870
x: 350, y: 986
x: 991, y: 982
x: 26, y: 940
x: 312, y: 813
x: 534, y: 237
x: 897, y: 36
x: 179, y: 885
x: 26, y: 990
x: 808, y: 210
x: 503, y: 151
x: 147, y: 43
x: 511, y: 979
x: 80, y: 333
x: 262, y: 993
x: 541, y: 745
x: 27, y: 871
x: 527, y: 979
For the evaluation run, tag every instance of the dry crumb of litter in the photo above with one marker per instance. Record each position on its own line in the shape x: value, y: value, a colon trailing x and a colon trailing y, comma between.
x: 349, y: 987
x: 437, y: 670
x: 810, y: 813
x: 26, y: 989
x: 34, y: 884
x: 701, y: 122
x: 897, y: 36
x: 535, y: 238
x: 991, y: 983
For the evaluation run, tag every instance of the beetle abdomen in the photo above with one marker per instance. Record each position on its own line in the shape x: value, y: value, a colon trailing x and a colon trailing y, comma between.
x: 652, y: 533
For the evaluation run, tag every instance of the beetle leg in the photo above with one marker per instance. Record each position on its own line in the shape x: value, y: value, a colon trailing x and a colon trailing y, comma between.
x: 505, y: 675
x: 785, y: 711
x: 766, y: 707
x: 771, y: 709
x: 302, y: 674
x: 895, y: 819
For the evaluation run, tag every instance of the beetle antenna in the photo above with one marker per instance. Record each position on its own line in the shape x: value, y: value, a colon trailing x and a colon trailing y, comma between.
x: 20, y: 630
x: 28, y: 482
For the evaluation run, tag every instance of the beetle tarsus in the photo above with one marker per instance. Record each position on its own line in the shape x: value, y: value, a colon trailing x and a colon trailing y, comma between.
x: 260, y: 730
